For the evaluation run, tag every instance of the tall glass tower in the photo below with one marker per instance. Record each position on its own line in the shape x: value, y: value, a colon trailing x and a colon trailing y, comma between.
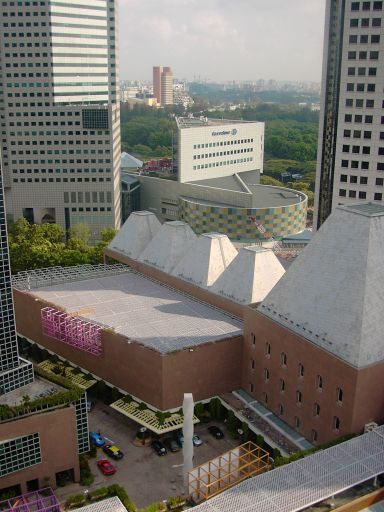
x: 14, y: 372
x: 350, y: 156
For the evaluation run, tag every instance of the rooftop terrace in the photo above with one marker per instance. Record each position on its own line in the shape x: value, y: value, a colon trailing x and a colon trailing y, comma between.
x: 141, y: 309
x: 198, y: 122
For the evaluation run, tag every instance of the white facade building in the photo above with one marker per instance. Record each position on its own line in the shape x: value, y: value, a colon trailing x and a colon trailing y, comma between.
x: 350, y: 164
x: 59, y: 110
x: 213, y: 148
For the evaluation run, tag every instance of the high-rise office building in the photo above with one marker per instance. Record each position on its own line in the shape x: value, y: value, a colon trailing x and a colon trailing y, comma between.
x: 14, y: 372
x: 350, y: 162
x: 59, y: 112
x: 163, y: 85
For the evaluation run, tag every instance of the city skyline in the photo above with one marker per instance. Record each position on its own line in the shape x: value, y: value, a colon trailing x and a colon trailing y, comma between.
x: 221, y: 40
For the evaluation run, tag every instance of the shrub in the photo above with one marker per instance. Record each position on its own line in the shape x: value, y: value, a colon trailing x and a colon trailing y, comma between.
x: 98, y: 494
x: 142, y: 406
x: 199, y: 410
x: 77, y: 500
x: 93, y: 451
x: 119, y: 491
x: 86, y: 476
x: 127, y: 399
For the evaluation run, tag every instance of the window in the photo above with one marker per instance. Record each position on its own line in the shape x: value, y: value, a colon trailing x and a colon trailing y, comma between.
x: 376, y: 22
x: 264, y: 397
x: 363, y: 180
x: 301, y: 370
x: 350, y: 87
x: 319, y: 382
x: 354, y: 22
x: 342, y: 192
x: 281, y: 410
x: 371, y: 87
x: 252, y: 364
x: 339, y: 395
x: 353, y: 179
x: 297, y: 422
x: 374, y: 55
x: 283, y: 359
x: 253, y: 339
x: 316, y: 409
x: 353, y: 39
x: 314, y: 436
x: 299, y: 397
x: 366, y: 6
x: 351, y: 55
x: 362, y: 195
x: 352, y: 193
x: 266, y: 375
x: 336, y: 423
x: 375, y: 38
x: 351, y: 71
x: 267, y: 349
x: 344, y: 163
x: 363, y: 39
x: 343, y: 178
x: 379, y: 182
x: 355, y: 6
x: 282, y: 385
x: 349, y: 102
x: 369, y: 103
x: 251, y: 387
x: 378, y: 196
x: 377, y: 6
x: 365, y: 22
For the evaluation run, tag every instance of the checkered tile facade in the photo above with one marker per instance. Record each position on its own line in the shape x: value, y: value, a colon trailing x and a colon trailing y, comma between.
x: 239, y: 223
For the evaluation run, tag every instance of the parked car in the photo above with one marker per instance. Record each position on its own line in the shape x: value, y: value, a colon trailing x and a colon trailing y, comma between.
x: 196, y: 440
x: 216, y: 432
x: 106, y: 467
x: 172, y: 444
x: 96, y: 439
x: 113, y: 451
x: 159, y: 447
x: 179, y: 437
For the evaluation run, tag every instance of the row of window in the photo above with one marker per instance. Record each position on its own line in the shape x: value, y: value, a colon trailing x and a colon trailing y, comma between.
x: 361, y: 71
x: 363, y: 180
x: 364, y: 39
x: 377, y: 196
x: 356, y: 134
x: 220, y: 164
x: 61, y: 180
x: 223, y: 153
x: 359, y: 103
x: 358, y: 118
x: 363, y: 55
x: 365, y: 22
x: 336, y: 423
x: 366, y: 6
x: 360, y: 87
x: 58, y: 171
x: 365, y: 150
x: 86, y: 197
x: 222, y: 143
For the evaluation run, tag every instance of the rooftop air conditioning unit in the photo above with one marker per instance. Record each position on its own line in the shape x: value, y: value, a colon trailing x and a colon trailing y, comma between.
x: 368, y: 427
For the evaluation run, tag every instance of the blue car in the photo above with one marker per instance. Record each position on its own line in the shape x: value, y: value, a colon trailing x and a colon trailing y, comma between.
x: 96, y: 439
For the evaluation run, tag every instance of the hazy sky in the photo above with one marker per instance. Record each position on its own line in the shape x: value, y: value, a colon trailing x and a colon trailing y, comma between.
x: 222, y: 39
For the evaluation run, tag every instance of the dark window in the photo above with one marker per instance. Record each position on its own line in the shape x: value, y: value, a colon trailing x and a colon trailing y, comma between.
x: 354, y: 22
x: 343, y: 178
x: 348, y: 118
x: 358, y: 119
x: 344, y: 163
x: 371, y: 87
x: 365, y: 165
x: 363, y: 39
x: 367, y: 135
x: 378, y: 196
x: 361, y: 71
x: 283, y: 359
x: 363, y: 55
x: 363, y: 180
x: 349, y: 102
x: 365, y: 22
x: 352, y: 193
x: 381, y: 151
x: 353, y: 39
x: 355, y: 6
x: 359, y: 103
x: 357, y: 134
x: 377, y: 6
x: 345, y: 148
x: 368, y: 119
x: 376, y: 22
x: 342, y: 192
x: 360, y: 87
x: 362, y: 195
x: 379, y: 182
x: 374, y: 55
x: 316, y: 409
x: 353, y: 179
x: 351, y: 72
x: 366, y: 150
x: 356, y: 149
x: 372, y: 71
x: 350, y: 87
x: 381, y: 135
x: 354, y: 164
x: 380, y: 166
x: 336, y: 423
x: 351, y: 55
x: 347, y: 133
x: 366, y: 6
x: 375, y: 38
x: 369, y: 103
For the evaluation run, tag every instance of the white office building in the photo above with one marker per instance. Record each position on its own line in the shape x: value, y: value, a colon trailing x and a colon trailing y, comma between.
x: 59, y: 110
x: 350, y: 165
x: 213, y: 148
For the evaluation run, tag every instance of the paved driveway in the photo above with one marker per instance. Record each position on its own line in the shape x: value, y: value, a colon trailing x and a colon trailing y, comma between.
x: 145, y: 476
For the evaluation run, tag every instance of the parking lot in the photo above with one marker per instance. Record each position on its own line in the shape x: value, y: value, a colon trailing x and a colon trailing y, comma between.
x: 145, y: 476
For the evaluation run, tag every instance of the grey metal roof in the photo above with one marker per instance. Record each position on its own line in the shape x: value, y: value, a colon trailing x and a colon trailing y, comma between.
x: 224, y: 182
x: 143, y: 310
x: 307, y: 481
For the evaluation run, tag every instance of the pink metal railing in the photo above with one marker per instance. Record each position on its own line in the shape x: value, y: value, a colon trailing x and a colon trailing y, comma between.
x: 71, y: 330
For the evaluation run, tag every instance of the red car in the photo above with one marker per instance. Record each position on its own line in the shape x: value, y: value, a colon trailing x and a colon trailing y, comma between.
x: 106, y: 467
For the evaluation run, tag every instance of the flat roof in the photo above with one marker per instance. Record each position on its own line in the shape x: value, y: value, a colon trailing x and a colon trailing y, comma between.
x: 198, y: 122
x: 112, y: 504
x: 308, y: 481
x: 368, y: 209
x: 37, y: 389
x: 143, y: 310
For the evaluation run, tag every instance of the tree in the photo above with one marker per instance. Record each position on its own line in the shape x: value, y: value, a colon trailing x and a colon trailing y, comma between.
x: 80, y: 231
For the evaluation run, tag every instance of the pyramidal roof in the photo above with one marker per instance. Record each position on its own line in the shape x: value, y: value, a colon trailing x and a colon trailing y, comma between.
x: 207, y: 258
x: 135, y: 234
x: 333, y: 293
x: 168, y: 246
x: 130, y: 161
x: 250, y: 276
